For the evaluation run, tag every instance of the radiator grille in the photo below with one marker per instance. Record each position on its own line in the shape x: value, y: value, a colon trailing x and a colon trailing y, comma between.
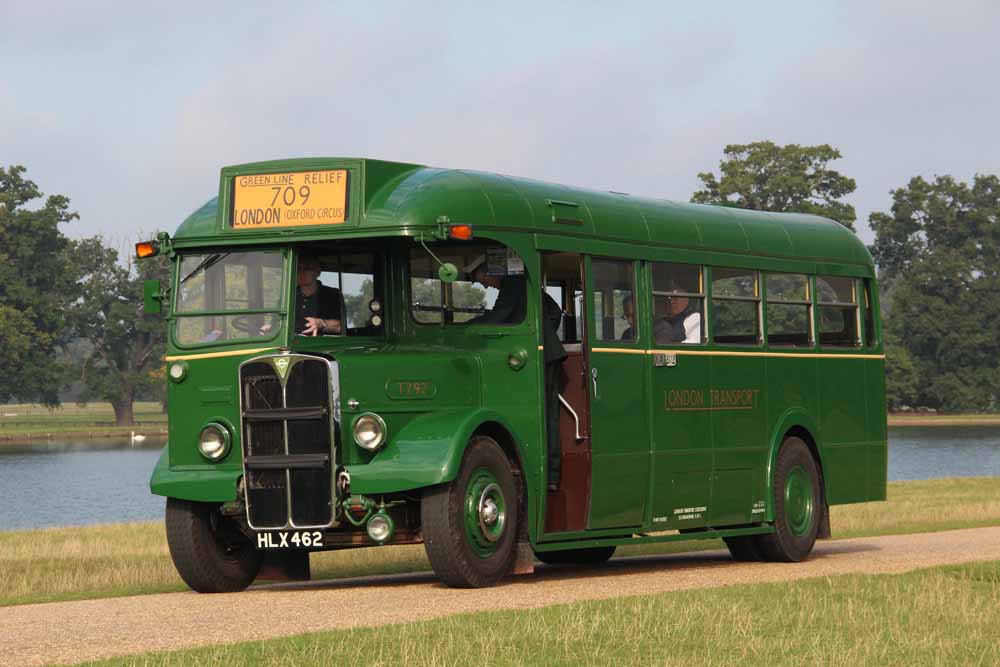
x: 288, y: 412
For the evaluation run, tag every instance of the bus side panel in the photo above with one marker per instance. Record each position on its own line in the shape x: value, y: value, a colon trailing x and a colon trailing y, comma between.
x: 790, y: 388
x: 682, y: 442
x: 739, y: 439
x: 842, y: 417
x: 620, y: 442
x: 878, y: 450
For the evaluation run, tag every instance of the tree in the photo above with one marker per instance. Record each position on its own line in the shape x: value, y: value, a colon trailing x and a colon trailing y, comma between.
x: 126, y: 358
x: 763, y: 176
x: 36, y: 281
x: 938, y: 252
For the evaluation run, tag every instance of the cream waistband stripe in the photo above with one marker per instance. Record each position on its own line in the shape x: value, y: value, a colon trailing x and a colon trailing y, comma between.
x: 733, y: 353
x: 209, y: 355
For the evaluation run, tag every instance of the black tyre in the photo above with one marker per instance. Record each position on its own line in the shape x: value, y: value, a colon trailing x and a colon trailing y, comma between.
x: 470, y: 524
x: 591, y: 556
x: 798, y: 505
x: 744, y: 549
x: 209, y: 552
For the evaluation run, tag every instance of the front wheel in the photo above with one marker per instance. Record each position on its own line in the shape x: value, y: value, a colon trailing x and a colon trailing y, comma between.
x: 797, y: 504
x: 209, y: 552
x: 469, y: 525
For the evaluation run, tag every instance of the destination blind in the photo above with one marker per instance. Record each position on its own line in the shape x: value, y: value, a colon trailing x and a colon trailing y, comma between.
x: 264, y: 201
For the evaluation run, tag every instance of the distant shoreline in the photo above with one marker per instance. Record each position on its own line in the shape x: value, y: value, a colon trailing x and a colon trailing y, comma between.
x: 909, y: 419
x: 92, y: 434
x: 35, y: 435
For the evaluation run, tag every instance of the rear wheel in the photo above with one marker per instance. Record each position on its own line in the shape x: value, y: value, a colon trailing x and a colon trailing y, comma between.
x: 797, y: 504
x: 592, y: 556
x: 470, y: 524
x: 208, y: 550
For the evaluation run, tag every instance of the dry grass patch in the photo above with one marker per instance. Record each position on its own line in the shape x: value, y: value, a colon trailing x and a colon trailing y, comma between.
x: 921, y: 506
x: 85, y: 562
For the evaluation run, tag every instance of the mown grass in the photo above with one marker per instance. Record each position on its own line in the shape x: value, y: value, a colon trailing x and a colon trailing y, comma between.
x: 132, y: 559
x: 940, y: 616
x: 28, y: 420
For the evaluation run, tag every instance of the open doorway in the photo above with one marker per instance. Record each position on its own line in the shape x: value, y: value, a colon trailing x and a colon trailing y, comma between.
x: 567, y: 506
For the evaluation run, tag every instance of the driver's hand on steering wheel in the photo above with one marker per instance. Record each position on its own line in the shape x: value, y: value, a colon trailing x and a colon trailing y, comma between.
x: 316, y: 326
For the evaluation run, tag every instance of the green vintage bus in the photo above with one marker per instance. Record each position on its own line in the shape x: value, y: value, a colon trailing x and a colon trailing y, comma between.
x: 365, y: 353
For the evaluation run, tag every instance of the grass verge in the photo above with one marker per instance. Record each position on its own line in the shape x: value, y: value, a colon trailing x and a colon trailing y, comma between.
x: 131, y: 559
x: 939, y: 616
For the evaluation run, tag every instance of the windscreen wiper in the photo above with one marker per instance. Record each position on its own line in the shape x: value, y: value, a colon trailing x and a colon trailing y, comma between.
x: 204, y: 265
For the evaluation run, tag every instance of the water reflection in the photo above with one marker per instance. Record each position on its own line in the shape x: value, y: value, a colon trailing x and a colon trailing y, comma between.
x: 61, y: 482
x: 926, y: 452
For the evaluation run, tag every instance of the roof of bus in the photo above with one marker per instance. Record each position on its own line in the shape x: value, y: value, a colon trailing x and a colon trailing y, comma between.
x: 400, y: 198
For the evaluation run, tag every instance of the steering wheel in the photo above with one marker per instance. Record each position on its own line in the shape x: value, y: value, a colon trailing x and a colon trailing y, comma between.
x: 242, y: 323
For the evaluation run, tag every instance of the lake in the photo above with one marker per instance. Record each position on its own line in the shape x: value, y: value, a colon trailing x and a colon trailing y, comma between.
x: 58, y: 483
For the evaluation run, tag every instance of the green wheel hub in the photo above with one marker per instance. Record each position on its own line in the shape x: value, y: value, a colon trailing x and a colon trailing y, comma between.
x: 485, y: 512
x: 799, y: 500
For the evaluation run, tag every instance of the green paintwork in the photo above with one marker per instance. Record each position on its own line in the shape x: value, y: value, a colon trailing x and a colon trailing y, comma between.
x: 481, y: 531
x: 201, y: 483
x: 435, y: 386
x: 426, y: 451
x: 799, y: 509
x: 151, y: 297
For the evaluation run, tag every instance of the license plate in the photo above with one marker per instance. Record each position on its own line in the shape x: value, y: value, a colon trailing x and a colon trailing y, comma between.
x: 289, y: 539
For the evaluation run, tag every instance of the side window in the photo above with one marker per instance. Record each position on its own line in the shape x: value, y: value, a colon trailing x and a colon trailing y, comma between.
x: 490, y: 289
x: 563, y: 282
x: 342, y: 292
x: 614, y: 300
x: 788, y: 306
x: 678, y: 304
x: 837, y: 317
x: 735, y: 307
x: 869, y: 315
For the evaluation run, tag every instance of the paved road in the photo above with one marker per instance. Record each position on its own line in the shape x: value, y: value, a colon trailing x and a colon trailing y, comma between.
x: 91, y: 629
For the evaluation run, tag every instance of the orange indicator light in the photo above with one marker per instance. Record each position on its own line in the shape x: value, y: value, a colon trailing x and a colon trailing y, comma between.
x: 146, y: 249
x: 460, y: 232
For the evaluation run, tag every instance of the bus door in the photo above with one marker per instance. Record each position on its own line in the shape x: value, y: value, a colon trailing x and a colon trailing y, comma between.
x: 567, y: 505
x: 681, y: 398
x: 617, y: 389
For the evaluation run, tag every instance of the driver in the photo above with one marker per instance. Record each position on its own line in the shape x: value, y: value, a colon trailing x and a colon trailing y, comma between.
x: 318, y: 308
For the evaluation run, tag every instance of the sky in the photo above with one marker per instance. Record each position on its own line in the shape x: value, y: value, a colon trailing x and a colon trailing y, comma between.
x: 131, y: 110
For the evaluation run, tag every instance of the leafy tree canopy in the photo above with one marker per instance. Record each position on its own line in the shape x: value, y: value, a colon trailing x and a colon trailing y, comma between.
x: 764, y: 176
x: 36, y: 285
x: 938, y: 251
x: 127, y: 345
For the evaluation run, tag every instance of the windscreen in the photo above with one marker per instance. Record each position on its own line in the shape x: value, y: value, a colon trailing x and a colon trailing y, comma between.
x: 227, y: 296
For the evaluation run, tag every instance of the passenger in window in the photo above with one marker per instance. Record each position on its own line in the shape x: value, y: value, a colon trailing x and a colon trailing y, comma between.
x: 628, y: 308
x: 318, y: 308
x: 681, y: 323
x: 510, y: 305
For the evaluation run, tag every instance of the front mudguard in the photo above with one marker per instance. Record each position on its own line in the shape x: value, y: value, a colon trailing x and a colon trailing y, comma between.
x: 427, y: 451
x: 198, y: 483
